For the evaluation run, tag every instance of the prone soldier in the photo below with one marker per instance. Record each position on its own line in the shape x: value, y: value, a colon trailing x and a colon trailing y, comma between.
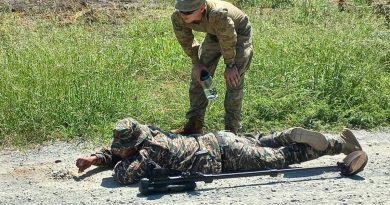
x: 135, y: 144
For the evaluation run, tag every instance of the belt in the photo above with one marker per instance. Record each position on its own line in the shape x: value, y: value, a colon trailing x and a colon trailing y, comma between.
x: 222, y: 145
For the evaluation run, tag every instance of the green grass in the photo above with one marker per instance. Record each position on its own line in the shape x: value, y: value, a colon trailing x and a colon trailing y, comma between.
x: 313, y: 66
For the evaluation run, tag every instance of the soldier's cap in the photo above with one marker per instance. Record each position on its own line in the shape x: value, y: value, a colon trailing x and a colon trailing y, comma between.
x: 188, y: 5
x: 128, y: 133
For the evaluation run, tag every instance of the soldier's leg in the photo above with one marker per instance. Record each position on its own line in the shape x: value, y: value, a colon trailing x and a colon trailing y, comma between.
x: 209, y: 53
x: 241, y: 154
x: 345, y: 143
x: 295, y: 135
x: 234, y: 95
x: 298, y: 153
x: 244, y: 154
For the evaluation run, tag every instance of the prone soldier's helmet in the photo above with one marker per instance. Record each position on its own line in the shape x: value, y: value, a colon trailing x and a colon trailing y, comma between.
x: 128, y: 133
x: 188, y: 5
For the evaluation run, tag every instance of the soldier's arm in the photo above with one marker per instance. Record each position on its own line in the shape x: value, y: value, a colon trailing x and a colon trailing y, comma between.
x: 226, y: 34
x: 84, y: 163
x: 131, y: 171
x: 186, y: 38
x: 105, y: 158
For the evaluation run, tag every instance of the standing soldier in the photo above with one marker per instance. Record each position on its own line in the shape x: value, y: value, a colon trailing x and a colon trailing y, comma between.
x: 228, y: 33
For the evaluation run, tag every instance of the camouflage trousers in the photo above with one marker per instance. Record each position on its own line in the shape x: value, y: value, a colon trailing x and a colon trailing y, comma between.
x: 248, y: 154
x: 210, y: 54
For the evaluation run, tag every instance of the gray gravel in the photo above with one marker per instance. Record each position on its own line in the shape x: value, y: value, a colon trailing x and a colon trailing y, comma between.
x: 48, y: 175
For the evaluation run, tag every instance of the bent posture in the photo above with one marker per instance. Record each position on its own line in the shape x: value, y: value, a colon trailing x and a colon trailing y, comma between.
x: 228, y: 34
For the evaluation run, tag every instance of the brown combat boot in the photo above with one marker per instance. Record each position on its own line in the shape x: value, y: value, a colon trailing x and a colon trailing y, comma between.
x: 193, y: 126
x: 316, y: 140
x: 231, y: 129
x: 345, y: 143
x: 296, y: 135
x: 348, y: 141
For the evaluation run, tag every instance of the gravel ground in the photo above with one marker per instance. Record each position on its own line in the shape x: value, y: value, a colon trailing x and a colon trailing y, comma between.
x: 48, y: 175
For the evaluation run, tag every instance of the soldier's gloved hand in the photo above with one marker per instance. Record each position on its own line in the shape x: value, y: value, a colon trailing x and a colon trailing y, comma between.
x: 85, y: 162
x: 196, y: 70
x: 232, y: 76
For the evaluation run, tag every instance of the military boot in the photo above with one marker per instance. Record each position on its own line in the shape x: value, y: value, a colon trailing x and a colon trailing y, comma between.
x: 345, y: 143
x: 231, y: 129
x: 296, y: 135
x: 193, y: 126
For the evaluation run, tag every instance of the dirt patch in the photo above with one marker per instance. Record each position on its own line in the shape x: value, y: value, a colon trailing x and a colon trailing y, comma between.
x: 41, y: 6
x: 85, y: 11
x: 35, y: 170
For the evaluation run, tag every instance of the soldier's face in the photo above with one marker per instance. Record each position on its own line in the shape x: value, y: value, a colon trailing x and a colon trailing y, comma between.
x: 193, y: 16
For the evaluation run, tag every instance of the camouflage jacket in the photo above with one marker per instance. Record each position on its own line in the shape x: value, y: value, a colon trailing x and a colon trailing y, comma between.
x: 222, y: 19
x: 169, y: 151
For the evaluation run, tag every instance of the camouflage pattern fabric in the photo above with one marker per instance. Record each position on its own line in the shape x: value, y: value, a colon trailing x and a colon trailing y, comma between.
x: 248, y: 154
x: 227, y: 153
x: 229, y: 34
x: 221, y: 19
x: 105, y: 158
x: 174, y: 152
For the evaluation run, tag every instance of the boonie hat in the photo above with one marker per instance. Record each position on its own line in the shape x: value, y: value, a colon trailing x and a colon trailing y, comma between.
x: 188, y: 5
x: 128, y: 133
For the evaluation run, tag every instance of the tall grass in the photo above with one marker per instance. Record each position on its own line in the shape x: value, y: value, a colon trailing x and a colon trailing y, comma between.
x: 320, y: 68
x: 313, y: 66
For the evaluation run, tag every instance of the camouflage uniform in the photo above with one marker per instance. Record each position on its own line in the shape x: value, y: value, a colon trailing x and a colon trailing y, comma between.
x: 228, y: 33
x: 248, y: 153
x: 227, y: 152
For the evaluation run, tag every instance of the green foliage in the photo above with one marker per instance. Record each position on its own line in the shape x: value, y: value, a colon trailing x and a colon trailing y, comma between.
x: 313, y: 66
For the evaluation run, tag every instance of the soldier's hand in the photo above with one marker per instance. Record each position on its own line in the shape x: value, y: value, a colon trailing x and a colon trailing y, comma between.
x: 232, y: 76
x: 196, y: 70
x: 85, y: 162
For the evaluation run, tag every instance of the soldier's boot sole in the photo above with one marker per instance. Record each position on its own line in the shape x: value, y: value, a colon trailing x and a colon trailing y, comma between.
x: 349, y: 142
x: 314, y: 139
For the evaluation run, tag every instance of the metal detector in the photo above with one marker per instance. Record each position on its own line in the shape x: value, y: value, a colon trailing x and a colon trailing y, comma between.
x: 160, y: 180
